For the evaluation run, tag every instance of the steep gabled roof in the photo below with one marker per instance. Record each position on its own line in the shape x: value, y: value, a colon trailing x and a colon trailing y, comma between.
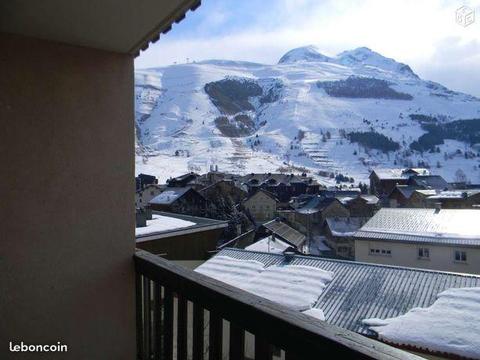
x: 429, y: 182
x: 406, y: 190
x: 170, y: 195
x: 316, y: 204
x: 287, y: 233
x: 267, y: 193
x: 345, y: 226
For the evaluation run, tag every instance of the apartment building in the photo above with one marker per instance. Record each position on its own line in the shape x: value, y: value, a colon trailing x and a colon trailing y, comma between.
x: 440, y: 239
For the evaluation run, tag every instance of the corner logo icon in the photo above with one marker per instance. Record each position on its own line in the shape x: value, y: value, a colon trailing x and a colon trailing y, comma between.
x: 465, y: 16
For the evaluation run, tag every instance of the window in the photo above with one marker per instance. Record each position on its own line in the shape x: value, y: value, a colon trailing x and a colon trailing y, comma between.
x: 460, y: 256
x: 381, y: 252
x: 152, y: 193
x: 423, y: 253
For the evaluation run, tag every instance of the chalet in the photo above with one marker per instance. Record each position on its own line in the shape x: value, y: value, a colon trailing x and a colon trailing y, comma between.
x: 180, y: 237
x: 361, y: 205
x: 143, y: 180
x: 314, y: 213
x: 418, y: 198
x: 347, y: 294
x: 339, y: 233
x: 382, y: 181
x: 185, y: 180
x: 143, y: 196
x: 440, y: 239
x: 262, y: 205
x: 400, y: 195
x: 225, y: 188
x: 283, y: 186
x: 214, y: 176
x: 180, y: 200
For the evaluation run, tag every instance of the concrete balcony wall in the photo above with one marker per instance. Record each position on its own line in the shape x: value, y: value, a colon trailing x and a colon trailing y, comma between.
x: 67, y: 219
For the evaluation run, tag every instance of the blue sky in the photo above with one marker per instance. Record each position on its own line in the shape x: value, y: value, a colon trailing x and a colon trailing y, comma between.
x: 421, y: 33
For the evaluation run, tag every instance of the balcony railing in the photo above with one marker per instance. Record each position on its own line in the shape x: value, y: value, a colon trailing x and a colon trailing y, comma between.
x: 182, y: 314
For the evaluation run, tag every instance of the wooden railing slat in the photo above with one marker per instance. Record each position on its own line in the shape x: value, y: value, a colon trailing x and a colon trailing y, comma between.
x: 139, y: 314
x: 291, y: 356
x: 198, y: 333
x: 158, y: 331
x: 237, y: 342
x: 168, y: 324
x: 268, y: 321
x: 182, y: 328
x: 146, y: 319
x: 215, y: 337
x: 263, y: 350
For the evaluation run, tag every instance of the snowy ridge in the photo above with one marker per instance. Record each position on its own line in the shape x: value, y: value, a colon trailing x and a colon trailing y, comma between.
x: 451, y: 325
x: 285, y: 127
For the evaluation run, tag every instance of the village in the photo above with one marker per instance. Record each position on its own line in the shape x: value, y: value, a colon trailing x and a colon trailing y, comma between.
x: 367, y: 253
x: 385, y: 223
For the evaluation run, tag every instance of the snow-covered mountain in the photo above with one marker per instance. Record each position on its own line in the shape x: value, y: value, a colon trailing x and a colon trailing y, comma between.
x: 345, y: 114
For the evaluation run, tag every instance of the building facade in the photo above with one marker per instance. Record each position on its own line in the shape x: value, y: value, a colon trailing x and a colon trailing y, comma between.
x: 262, y: 206
x: 446, y: 239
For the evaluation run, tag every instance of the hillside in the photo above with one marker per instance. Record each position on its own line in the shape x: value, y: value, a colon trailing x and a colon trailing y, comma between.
x: 326, y: 115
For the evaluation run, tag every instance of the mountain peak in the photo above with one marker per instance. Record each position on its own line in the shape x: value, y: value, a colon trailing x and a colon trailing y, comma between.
x: 304, y: 53
x: 361, y: 56
x: 365, y: 56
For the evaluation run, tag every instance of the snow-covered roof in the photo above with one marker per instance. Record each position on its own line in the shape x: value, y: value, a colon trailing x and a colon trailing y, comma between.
x: 454, y: 194
x: 406, y: 190
x: 170, y: 195
x: 370, y: 199
x: 295, y: 286
x: 445, y: 226
x: 451, y: 325
x: 429, y: 181
x: 316, y: 204
x: 269, y: 245
x: 426, y: 192
x: 393, y: 174
x: 164, y: 224
x: 160, y: 223
x: 359, y: 291
x: 274, y: 179
x: 345, y: 226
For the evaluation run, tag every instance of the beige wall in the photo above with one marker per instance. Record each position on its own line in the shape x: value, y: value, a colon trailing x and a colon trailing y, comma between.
x: 66, y: 226
x: 402, y: 254
x: 261, y: 206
